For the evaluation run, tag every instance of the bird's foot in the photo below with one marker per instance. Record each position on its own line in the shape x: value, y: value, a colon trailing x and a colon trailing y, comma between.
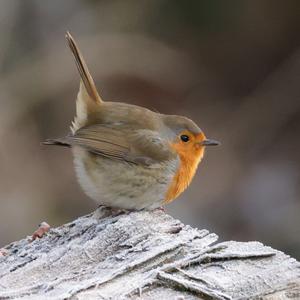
x: 105, y: 211
x: 161, y: 208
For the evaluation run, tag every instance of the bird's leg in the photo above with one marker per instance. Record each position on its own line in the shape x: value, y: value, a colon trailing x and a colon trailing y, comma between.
x: 103, y: 211
x: 161, y: 208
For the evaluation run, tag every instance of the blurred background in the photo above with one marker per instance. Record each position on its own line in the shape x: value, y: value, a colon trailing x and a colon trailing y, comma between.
x: 231, y: 66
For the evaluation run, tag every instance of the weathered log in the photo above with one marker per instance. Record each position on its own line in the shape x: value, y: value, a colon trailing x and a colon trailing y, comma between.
x: 143, y: 255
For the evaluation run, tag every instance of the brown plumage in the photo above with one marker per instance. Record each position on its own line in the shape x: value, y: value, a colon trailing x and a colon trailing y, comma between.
x: 85, y: 75
x: 128, y: 156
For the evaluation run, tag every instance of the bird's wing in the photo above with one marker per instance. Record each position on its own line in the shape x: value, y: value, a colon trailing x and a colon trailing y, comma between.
x: 143, y: 147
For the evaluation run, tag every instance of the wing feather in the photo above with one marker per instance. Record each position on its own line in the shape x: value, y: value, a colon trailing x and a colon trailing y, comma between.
x: 143, y: 147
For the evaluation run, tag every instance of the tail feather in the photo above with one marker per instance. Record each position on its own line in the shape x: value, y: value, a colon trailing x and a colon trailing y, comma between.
x: 88, y: 100
x: 57, y: 142
x: 83, y: 70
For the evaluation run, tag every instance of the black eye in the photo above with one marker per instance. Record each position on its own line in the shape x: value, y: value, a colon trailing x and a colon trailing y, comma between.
x: 184, y: 138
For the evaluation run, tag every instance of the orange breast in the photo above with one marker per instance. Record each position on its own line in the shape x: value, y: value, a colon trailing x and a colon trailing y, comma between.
x: 189, y: 160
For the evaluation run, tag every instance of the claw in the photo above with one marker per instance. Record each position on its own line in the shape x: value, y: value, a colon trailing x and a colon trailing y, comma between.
x: 161, y: 208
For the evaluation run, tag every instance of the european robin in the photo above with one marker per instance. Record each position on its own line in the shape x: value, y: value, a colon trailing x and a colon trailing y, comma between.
x: 128, y: 156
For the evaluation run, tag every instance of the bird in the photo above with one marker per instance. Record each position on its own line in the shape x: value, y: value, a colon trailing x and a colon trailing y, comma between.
x: 126, y: 156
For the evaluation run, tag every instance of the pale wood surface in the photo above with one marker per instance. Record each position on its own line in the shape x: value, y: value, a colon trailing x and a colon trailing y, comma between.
x: 143, y: 255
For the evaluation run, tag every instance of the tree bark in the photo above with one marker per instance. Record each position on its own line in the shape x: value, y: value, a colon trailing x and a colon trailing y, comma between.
x: 143, y: 255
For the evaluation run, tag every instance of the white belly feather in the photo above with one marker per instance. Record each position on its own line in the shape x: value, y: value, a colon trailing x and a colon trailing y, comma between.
x: 122, y: 185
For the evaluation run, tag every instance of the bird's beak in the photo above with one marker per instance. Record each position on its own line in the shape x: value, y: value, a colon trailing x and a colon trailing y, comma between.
x: 209, y: 142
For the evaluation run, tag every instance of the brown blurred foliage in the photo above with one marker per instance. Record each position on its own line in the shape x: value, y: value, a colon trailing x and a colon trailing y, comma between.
x: 232, y: 66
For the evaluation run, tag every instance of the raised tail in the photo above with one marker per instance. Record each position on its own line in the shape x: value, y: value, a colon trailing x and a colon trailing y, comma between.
x: 83, y: 70
x: 88, y: 100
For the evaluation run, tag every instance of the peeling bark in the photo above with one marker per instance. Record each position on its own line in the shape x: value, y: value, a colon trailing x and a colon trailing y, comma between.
x: 143, y: 255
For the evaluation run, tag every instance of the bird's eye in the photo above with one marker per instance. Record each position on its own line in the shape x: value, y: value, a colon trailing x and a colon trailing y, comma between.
x: 185, y: 138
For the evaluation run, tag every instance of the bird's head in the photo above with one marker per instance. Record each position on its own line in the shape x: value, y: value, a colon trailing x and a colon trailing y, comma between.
x: 188, y: 139
x: 189, y: 142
